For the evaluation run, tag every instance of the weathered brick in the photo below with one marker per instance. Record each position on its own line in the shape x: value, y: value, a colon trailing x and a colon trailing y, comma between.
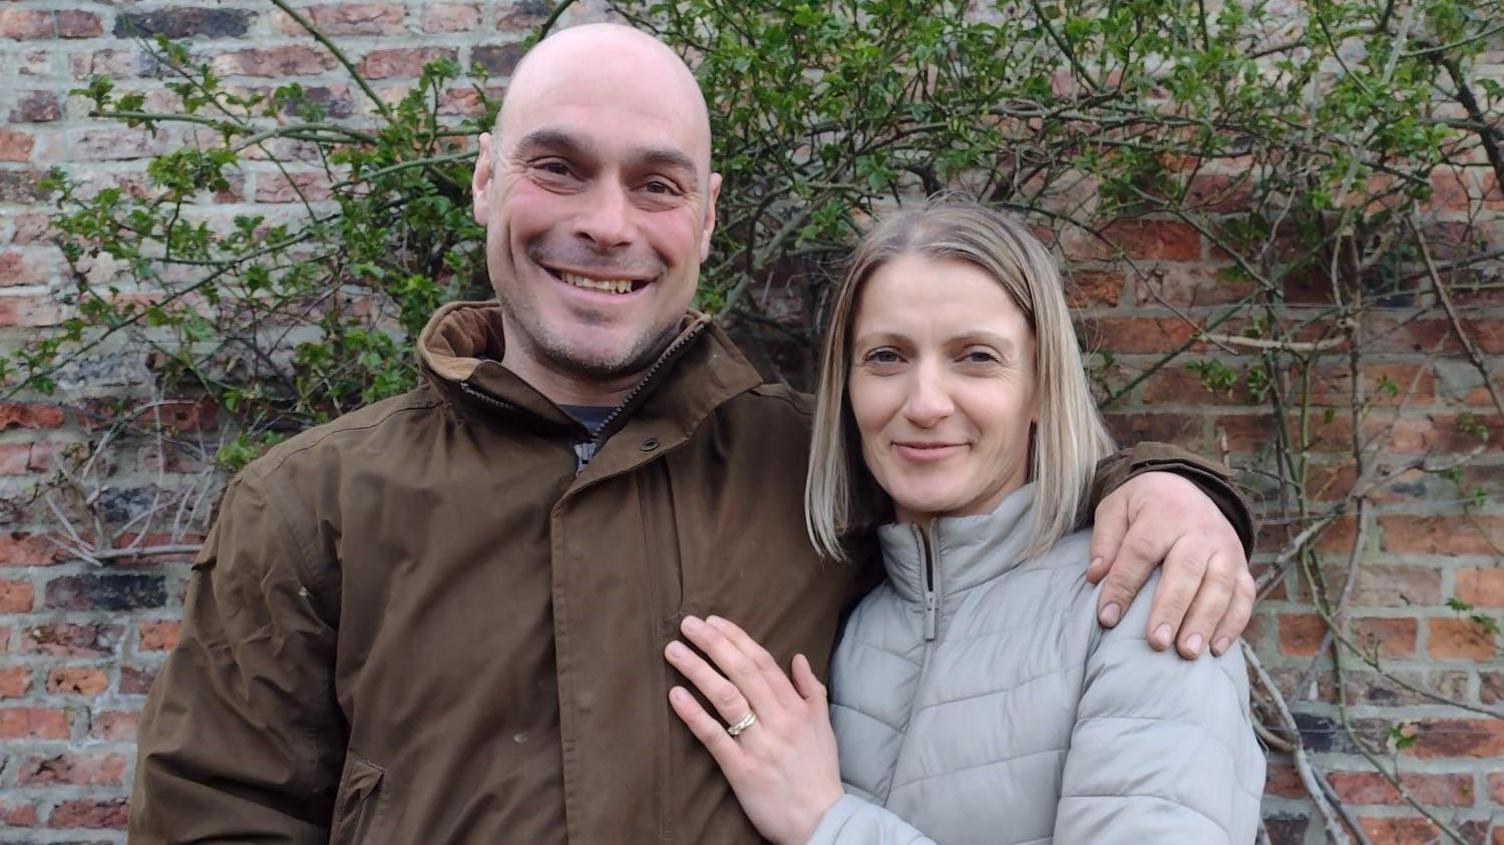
x: 1391, y: 638
x: 1460, y: 639
x: 498, y: 59
x: 183, y: 22
x: 117, y: 63
x: 289, y: 60
x: 1372, y: 788
x: 15, y: 681
x: 36, y: 107
x: 1300, y: 633
x: 106, y: 592
x: 93, y: 814
x: 513, y: 15
x: 31, y: 24
x: 77, y: 680
x: 292, y: 187
x: 20, y: 186
x: 16, y: 596
x: 1286, y: 829
x: 349, y: 19
x: 17, y: 813
x: 1154, y: 239
x: 1481, y: 587
x: 115, y: 726
x: 117, y: 143
x: 33, y: 723
x: 159, y: 635
x: 72, y: 639
x: 1496, y: 787
x: 16, y: 145
x: 1094, y: 288
x: 1444, y: 535
x: 137, y: 680
x: 400, y: 62
x: 1458, y: 738
x: 1399, y: 831
x: 29, y: 415
x: 1164, y: 428
x: 24, y: 458
x: 1191, y: 286
x: 20, y: 549
x: 451, y: 18
x: 1122, y: 335
x: 78, y: 769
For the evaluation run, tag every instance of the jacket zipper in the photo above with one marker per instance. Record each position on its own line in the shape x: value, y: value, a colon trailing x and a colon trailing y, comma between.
x: 586, y: 449
x: 927, y: 578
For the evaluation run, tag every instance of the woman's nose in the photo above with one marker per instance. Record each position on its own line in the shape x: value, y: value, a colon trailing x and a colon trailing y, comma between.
x: 929, y: 399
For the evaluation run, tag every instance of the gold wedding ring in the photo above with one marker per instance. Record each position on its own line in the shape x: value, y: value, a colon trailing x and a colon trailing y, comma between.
x: 747, y: 721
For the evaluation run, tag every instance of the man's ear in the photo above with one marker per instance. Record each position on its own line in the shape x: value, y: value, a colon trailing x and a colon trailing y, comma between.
x: 480, y: 182
x: 709, y: 221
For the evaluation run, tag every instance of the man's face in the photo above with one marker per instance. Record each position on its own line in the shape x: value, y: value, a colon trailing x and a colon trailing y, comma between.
x: 598, y: 207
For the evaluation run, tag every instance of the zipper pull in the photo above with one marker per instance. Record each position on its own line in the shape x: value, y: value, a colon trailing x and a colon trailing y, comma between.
x: 931, y: 614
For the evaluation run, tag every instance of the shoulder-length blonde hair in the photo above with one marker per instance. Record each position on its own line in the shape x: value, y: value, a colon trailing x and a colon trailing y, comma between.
x: 840, y: 495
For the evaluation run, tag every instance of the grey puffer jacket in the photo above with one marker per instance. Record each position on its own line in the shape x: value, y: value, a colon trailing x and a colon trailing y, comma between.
x: 975, y: 699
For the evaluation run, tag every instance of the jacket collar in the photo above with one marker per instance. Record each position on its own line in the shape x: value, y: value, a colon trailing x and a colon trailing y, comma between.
x: 953, y: 554
x: 461, y: 349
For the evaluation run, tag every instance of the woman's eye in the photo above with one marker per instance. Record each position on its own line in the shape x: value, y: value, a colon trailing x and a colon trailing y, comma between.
x: 882, y: 356
x: 978, y: 356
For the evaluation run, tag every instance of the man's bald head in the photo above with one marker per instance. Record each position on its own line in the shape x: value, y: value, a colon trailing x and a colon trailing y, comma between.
x: 618, y: 61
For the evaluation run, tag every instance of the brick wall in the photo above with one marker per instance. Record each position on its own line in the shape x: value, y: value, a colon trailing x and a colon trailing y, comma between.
x: 80, y: 641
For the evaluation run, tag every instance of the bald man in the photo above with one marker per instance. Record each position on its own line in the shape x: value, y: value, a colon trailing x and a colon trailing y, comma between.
x: 441, y: 618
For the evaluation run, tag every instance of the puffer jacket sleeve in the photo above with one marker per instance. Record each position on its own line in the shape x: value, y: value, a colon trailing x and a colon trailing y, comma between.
x: 239, y: 740
x: 852, y: 821
x: 1163, y: 749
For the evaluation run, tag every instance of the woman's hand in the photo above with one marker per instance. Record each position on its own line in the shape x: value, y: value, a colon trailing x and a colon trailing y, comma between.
x: 782, y: 767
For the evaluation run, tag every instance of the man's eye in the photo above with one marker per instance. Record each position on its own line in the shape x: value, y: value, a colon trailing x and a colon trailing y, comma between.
x: 658, y: 186
x: 555, y: 168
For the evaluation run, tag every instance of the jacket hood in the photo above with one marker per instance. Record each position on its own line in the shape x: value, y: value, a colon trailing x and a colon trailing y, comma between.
x: 956, y: 553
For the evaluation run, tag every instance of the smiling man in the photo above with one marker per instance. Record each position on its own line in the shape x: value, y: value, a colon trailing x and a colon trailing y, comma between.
x: 441, y: 618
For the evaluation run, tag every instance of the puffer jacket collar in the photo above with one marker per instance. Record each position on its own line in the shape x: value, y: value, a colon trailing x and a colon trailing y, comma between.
x: 461, y: 348
x: 953, y: 554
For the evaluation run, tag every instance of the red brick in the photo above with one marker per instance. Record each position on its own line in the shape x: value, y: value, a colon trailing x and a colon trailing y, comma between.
x: 1480, y: 738
x: 1218, y: 193
x: 1136, y: 334
x: 1300, y: 633
x: 29, y: 311
x: 451, y: 18
x: 36, y: 107
x: 1391, y: 637
x: 17, y: 596
x: 160, y: 635
x: 1443, y: 535
x: 1496, y: 787
x: 117, y: 144
x: 290, y: 60
x: 1431, y: 790
x: 115, y: 726
x: 191, y: 415
x: 1396, y: 586
x: 98, y: 769
x: 1089, y: 288
x: 1399, y: 831
x: 33, y: 723
x: 17, y: 549
x: 77, y: 680
x: 71, y: 639
x: 1181, y: 386
x: 1252, y: 433
x: 400, y: 62
x: 25, y: 415
x: 31, y: 24
x: 1451, y: 190
x: 1155, y: 239
x: 1283, y: 781
x: 1460, y: 639
x: 137, y: 680
x: 1164, y: 428
x: 29, y: 228
x: 15, y: 145
x: 349, y: 19
x: 1481, y: 587
x: 89, y: 813
x: 275, y: 187
x: 15, y: 681
x: 24, y: 458
x: 1190, y: 286
x: 16, y: 813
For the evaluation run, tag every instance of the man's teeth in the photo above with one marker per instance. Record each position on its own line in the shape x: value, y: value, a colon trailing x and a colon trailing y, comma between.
x: 609, y: 285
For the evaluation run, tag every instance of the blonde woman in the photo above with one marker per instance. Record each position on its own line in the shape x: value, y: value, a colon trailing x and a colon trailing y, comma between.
x: 973, y: 696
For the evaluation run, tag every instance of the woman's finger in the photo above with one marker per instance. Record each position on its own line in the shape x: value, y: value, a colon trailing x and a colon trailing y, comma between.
x: 809, y: 686
x: 773, y: 675
x: 711, y: 733
x: 738, y: 667
x: 723, y: 695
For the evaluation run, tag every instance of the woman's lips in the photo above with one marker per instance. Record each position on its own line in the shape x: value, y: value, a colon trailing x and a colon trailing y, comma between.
x: 927, y: 452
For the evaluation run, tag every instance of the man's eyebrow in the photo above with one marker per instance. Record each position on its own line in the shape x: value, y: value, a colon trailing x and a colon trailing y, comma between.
x: 553, y: 140
x: 665, y: 157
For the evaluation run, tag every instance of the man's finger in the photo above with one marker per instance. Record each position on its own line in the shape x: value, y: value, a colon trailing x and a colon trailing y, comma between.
x: 1238, y: 612
x: 1207, y: 608
x: 1183, y: 570
x: 712, y: 734
x: 1109, y: 527
x: 1137, y: 557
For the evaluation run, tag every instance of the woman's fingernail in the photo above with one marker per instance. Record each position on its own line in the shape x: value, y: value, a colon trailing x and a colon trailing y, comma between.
x: 678, y: 694
x: 1110, y: 615
x: 1193, y: 644
x: 1220, y: 645
x: 676, y: 649
x: 1095, y: 562
x: 691, y: 624
x: 1162, y: 635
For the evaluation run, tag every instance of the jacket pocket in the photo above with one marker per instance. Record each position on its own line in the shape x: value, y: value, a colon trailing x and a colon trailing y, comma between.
x: 359, y: 804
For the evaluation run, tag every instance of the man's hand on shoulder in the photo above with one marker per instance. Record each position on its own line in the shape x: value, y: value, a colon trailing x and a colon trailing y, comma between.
x: 1205, y: 594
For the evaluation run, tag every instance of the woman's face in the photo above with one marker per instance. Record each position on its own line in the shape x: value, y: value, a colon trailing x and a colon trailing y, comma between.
x: 942, y: 386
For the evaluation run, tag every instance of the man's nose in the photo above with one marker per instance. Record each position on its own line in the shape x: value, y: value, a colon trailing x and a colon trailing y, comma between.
x: 606, y: 221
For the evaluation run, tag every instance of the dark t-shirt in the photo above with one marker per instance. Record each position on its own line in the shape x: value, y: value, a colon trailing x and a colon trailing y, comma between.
x: 590, y: 416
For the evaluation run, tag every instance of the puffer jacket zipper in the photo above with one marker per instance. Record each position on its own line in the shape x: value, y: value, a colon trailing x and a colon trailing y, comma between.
x: 930, y: 587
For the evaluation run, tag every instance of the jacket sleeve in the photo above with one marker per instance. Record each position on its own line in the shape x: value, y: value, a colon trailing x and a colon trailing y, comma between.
x: 852, y: 821
x: 1163, y: 748
x: 1214, y: 479
x: 239, y: 740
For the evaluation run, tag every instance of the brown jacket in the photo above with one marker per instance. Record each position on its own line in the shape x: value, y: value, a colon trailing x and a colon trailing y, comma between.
x: 427, y: 622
